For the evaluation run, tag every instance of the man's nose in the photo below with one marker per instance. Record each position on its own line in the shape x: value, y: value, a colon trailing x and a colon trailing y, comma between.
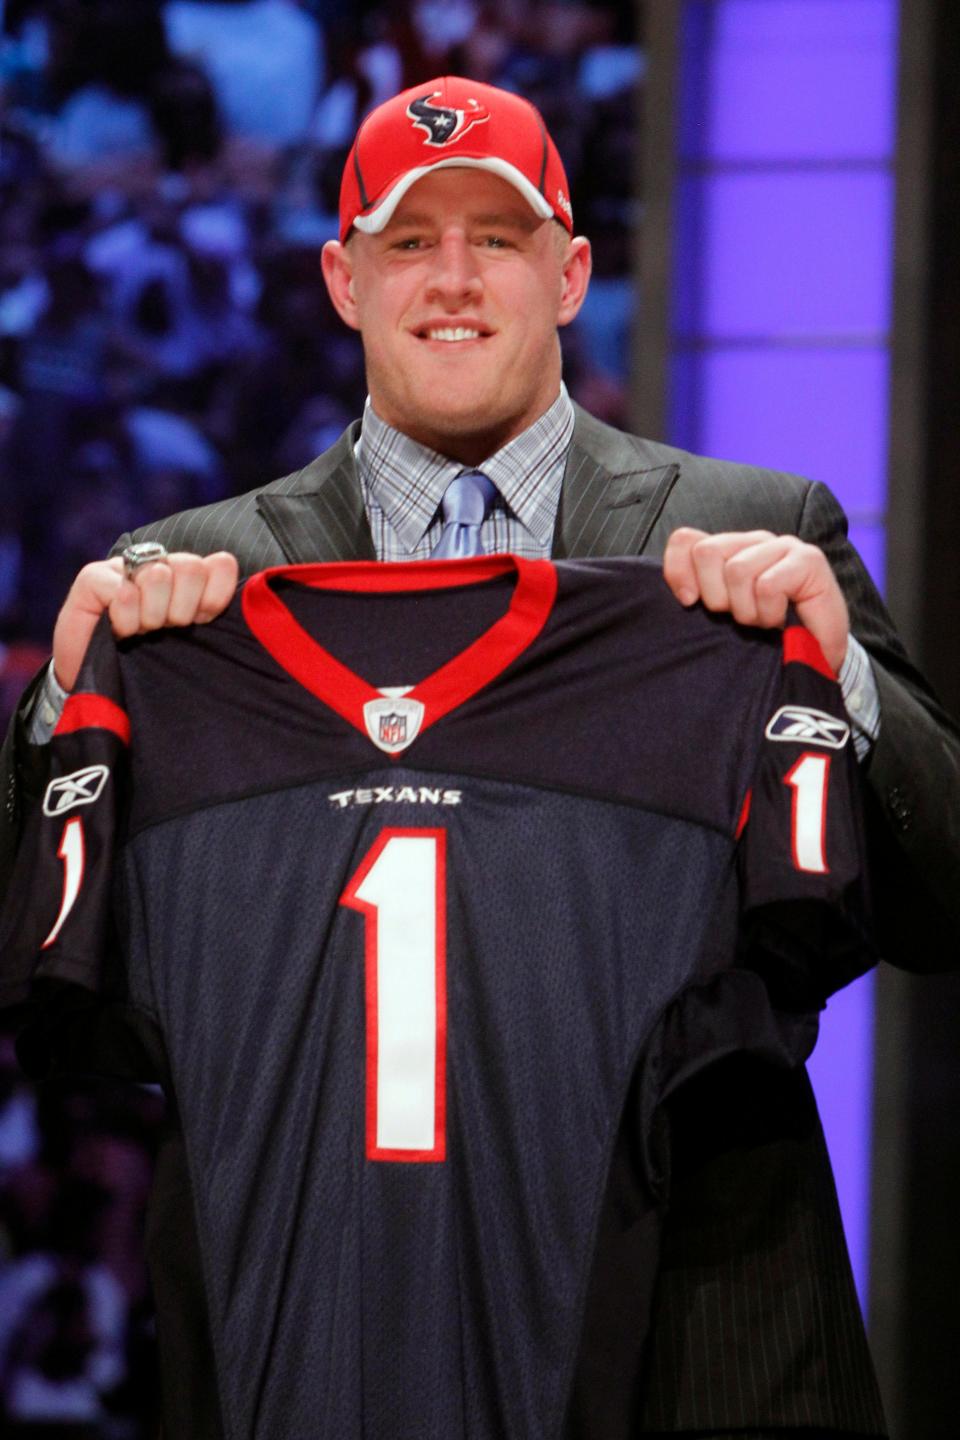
x: 455, y: 277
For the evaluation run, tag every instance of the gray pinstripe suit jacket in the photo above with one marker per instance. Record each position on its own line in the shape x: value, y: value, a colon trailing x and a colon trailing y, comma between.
x: 623, y: 495
x: 755, y: 1281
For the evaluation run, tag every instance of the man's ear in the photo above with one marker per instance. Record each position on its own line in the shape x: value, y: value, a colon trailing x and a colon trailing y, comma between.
x: 577, y: 265
x: 335, y: 261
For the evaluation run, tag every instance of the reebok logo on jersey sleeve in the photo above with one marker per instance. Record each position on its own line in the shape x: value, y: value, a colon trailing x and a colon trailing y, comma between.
x: 803, y: 724
x: 83, y: 787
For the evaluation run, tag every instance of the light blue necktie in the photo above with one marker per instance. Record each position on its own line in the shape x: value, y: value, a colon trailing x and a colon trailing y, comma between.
x: 466, y: 504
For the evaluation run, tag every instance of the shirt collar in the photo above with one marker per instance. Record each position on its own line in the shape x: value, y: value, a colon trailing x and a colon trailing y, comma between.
x: 407, y: 479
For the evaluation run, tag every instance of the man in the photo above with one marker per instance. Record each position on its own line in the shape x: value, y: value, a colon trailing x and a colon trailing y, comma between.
x: 456, y: 263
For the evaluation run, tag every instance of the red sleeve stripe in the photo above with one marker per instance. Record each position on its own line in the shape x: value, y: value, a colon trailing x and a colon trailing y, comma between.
x: 744, y: 815
x: 799, y: 645
x: 94, y: 712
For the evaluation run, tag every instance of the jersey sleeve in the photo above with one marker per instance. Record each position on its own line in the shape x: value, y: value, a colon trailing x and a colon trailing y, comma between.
x: 56, y: 921
x: 802, y: 855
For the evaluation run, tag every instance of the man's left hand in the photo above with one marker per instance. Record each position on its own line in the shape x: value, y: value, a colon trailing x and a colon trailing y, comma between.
x: 755, y: 575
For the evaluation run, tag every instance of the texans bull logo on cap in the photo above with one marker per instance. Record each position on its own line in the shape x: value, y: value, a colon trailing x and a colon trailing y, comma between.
x: 442, y: 123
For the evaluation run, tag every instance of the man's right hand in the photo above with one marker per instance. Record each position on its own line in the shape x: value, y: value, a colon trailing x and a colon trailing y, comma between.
x: 180, y: 589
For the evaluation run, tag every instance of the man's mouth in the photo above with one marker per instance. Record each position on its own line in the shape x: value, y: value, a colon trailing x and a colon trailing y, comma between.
x: 450, y: 334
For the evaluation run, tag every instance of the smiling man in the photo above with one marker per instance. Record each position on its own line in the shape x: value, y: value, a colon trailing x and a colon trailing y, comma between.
x: 455, y: 273
x: 457, y: 262
x: 458, y: 297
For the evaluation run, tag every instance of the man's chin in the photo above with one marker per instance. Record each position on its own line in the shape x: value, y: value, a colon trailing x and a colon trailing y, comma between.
x: 470, y: 432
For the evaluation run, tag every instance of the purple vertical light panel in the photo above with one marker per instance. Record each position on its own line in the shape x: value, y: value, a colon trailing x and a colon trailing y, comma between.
x: 781, y: 316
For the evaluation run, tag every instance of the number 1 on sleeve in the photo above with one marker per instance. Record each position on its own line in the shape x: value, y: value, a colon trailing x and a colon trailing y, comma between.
x: 808, y: 826
x: 72, y: 853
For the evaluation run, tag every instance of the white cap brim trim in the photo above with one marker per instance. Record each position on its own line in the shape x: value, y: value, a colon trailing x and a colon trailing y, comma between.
x: 375, y: 220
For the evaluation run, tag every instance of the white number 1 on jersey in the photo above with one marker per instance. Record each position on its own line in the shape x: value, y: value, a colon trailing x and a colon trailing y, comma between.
x: 808, y: 780
x: 400, y: 889
x: 72, y: 853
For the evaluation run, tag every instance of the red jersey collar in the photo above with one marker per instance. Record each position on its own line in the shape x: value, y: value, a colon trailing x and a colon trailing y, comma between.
x: 457, y: 681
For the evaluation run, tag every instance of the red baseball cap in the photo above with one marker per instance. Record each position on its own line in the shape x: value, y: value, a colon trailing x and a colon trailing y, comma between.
x: 446, y: 122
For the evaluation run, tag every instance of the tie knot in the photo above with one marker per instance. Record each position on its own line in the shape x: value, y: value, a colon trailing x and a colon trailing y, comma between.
x: 467, y: 499
x: 466, y: 504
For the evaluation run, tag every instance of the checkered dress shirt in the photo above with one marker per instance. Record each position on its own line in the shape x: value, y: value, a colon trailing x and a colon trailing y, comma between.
x: 403, y: 483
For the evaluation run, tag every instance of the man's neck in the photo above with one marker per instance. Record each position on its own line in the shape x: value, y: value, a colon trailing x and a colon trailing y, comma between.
x: 403, y: 481
x: 468, y: 450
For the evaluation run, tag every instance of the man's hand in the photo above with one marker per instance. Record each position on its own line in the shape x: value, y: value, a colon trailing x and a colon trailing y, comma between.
x: 755, y: 575
x: 177, y: 590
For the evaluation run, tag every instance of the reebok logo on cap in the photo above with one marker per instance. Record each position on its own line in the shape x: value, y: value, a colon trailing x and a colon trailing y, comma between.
x: 450, y: 122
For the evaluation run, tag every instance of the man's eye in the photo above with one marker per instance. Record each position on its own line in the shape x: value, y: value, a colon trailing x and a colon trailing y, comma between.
x: 495, y: 242
x: 409, y: 242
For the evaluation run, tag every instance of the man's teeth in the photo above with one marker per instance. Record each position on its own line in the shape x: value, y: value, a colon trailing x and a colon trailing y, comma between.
x: 453, y: 332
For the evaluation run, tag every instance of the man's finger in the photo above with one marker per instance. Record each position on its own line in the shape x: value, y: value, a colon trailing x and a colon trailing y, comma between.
x: 222, y: 573
x: 94, y: 590
x: 95, y: 586
x: 679, y: 570
x: 189, y: 575
x: 752, y: 598
x: 693, y: 562
x: 712, y: 555
x: 154, y: 583
x: 805, y: 576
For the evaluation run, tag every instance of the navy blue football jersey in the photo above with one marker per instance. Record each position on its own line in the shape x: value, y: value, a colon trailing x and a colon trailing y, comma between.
x: 410, y: 870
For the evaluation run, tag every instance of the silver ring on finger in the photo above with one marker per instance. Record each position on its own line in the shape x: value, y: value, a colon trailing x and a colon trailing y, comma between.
x: 144, y: 553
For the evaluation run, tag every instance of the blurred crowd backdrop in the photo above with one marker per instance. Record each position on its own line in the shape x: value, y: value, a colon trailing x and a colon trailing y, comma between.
x: 169, y: 170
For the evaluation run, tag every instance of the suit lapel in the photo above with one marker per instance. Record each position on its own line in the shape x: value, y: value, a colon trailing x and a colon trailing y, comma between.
x: 615, y: 487
x: 612, y: 494
x: 318, y: 514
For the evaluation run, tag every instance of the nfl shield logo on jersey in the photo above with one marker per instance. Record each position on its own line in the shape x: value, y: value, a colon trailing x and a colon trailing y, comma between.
x: 393, y: 729
x: 393, y: 723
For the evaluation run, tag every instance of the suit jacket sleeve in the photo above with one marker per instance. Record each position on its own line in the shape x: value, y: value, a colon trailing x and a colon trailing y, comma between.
x: 22, y: 779
x: 912, y: 790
